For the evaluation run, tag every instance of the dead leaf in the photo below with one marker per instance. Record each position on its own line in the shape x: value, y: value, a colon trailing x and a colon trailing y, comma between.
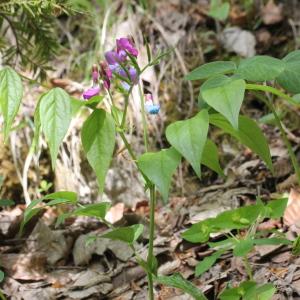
x: 291, y: 215
x: 272, y: 13
x: 115, y: 213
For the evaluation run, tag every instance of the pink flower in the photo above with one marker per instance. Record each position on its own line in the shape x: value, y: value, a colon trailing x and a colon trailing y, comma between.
x: 106, y: 74
x: 91, y: 92
x: 126, y: 45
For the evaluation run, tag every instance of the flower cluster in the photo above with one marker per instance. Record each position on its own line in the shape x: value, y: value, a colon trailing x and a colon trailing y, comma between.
x: 119, y: 63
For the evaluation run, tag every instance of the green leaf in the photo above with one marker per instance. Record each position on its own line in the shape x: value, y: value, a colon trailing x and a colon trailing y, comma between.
x: 276, y: 208
x: 265, y: 292
x: 177, y: 281
x: 125, y: 234
x: 208, y: 262
x: 188, y: 137
x: 1, y: 276
x: 11, y: 92
x: 62, y: 195
x: 296, y: 246
x: 243, y: 292
x: 28, y: 215
x: 289, y: 79
x: 248, y: 134
x: 210, y: 157
x: 98, y: 140
x: 211, y: 69
x: 260, y: 68
x: 93, y: 210
x: 37, y: 127
x: 159, y: 167
x: 272, y: 241
x: 225, y: 95
x: 243, y: 247
x: 199, y: 232
x: 6, y: 202
x: 55, y: 114
x: 219, y: 10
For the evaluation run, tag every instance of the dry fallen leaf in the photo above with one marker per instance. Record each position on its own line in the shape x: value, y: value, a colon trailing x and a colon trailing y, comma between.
x: 272, y: 13
x: 115, y: 213
x: 291, y: 215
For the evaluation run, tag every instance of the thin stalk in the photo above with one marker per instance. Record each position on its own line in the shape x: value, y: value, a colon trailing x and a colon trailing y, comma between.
x: 126, y: 108
x: 283, y: 135
x: 145, y: 129
x: 248, y: 268
x: 151, y: 241
x: 272, y: 90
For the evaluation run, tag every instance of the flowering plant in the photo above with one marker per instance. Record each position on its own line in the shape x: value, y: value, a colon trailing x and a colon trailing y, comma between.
x: 221, y: 97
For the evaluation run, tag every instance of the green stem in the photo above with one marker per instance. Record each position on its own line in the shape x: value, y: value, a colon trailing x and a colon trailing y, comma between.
x: 145, y: 129
x: 151, y: 241
x: 126, y: 108
x: 283, y: 135
x: 269, y: 89
x: 248, y: 268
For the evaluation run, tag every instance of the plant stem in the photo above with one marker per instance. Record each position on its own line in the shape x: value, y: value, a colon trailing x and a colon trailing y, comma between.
x: 283, y: 135
x: 248, y: 267
x: 126, y: 108
x: 143, y: 117
x: 151, y: 241
x: 269, y: 89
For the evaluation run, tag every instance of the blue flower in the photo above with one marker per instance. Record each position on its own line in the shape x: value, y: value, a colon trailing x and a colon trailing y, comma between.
x: 152, y: 109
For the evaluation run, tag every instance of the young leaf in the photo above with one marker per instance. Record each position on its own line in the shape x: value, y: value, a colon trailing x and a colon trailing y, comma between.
x: 97, y: 210
x: 260, y: 68
x: 272, y: 241
x: 208, y: 262
x: 240, y: 293
x: 188, y: 137
x: 125, y: 234
x: 211, y: 69
x: 243, y: 247
x: 159, y: 167
x: 225, y: 95
x: 98, y: 140
x: 177, y: 281
x: 199, y: 232
x: 219, y: 10
x: 55, y: 115
x: 11, y: 92
x: 210, y: 157
x: 248, y: 134
x: 265, y: 292
x: 289, y: 78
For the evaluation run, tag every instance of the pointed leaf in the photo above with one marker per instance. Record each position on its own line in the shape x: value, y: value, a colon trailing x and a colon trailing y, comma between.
x: 260, y: 68
x: 189, y: 137
x: 159, y: 167
x: 98, y: 140
x: 225, y: 95
x: 125, y: 234
x: 210, y: 157
x: 177, y: 281
x: 55, y: 116
x: 289, y: 78
x: 93, y: 210
x: 248, y: 134
x: 1, y: 276
x: 11, y: 92
x: 208, y: 262
x: 211, y: 69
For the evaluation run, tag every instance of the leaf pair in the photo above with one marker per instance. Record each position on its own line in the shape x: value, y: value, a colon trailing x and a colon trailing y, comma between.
x: 188, y: 139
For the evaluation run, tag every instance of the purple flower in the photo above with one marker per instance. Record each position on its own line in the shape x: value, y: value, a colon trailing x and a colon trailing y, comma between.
x: 125, y: 86
x: 91, y: 92
x: 106, y: 74
x: 132, y: 72
x: 113, y: 58
x: 126, y: 44
x: 95, y: 75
